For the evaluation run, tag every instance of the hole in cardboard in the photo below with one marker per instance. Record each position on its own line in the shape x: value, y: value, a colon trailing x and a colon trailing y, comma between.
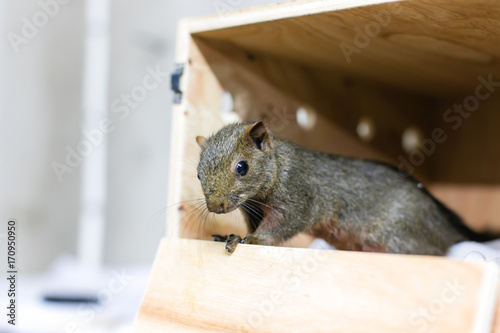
x: 227, y: 108
x: 411, y: 139
x: 306, y: 117
x: 366, y: 129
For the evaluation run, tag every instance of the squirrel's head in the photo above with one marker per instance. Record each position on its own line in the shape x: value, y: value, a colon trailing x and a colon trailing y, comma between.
x: 236, y: 164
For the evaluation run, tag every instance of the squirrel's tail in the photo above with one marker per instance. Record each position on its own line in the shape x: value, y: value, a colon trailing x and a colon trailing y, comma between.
x: 453, y: 218
x: 460, y: 226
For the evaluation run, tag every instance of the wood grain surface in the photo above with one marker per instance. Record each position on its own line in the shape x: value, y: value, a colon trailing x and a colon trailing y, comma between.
x: 197, y: 287
x: 434, y: 47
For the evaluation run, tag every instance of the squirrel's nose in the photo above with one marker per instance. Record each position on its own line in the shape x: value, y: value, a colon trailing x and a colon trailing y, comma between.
x: 216, y: 207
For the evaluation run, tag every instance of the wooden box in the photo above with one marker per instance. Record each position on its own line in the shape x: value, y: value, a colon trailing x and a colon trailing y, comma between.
x: 413, y: 83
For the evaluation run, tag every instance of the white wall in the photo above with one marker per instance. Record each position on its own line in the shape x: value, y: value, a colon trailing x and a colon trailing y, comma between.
x: 40, y: 114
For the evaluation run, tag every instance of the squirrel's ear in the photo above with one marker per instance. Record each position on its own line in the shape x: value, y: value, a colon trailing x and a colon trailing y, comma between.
x: 200, y: 140
x: 259, y: 135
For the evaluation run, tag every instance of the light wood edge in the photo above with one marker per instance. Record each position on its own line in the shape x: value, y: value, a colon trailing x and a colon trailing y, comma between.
x: 488, y: 299
x: 489, y: 276
x: 496, y: 315
x: 177, y: 135
x: 274, y: 12
x: 154, y: 271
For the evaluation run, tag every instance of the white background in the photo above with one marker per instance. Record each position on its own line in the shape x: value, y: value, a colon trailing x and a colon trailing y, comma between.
x: 41, y: 114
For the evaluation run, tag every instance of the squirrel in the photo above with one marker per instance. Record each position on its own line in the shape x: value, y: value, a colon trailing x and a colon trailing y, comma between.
x: 354, y: 204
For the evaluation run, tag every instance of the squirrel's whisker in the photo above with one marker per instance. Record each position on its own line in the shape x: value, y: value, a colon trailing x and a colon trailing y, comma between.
x: 189, y: 217
x: 254, y: 224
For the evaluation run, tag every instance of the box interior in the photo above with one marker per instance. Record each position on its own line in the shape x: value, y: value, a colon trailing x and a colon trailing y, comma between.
x: 368, y: 82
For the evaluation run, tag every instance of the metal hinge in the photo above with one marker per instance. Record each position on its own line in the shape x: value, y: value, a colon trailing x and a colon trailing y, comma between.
x: 175, y: 83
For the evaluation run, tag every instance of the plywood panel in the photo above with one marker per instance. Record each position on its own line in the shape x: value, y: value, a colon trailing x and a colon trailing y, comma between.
x: 471, y: 153
x: 341, y: 99
x: 277, y: 59
x: 197, y: 114
x: 430, y: 57
x: 197, y: 287
x: 432, y: 47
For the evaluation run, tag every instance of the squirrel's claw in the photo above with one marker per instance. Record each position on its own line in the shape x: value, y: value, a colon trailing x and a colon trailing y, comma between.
x: 231, y: 242
x: 219, y: 238
x: 251, y: 239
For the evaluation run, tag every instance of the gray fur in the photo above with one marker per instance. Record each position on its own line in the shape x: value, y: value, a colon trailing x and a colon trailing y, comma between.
x: 290, y: 189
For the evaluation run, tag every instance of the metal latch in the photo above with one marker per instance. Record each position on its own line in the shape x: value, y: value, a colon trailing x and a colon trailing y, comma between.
x: 175, y: 83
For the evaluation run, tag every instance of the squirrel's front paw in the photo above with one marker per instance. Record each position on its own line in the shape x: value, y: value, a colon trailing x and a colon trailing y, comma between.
x: 231, y: 242
x: 219, y: 238
x: 252, y: 239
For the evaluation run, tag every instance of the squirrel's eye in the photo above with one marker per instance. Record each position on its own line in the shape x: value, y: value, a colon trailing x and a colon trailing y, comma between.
x: 241, y: 168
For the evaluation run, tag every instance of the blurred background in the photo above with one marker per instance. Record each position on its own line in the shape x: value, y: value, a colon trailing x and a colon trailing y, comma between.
x: 85, y: 106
